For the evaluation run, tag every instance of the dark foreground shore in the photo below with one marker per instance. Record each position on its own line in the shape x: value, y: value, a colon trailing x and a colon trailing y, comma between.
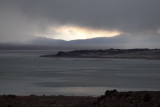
x: 110, y: 99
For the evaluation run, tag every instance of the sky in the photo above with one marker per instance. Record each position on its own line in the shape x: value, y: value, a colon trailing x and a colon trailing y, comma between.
x: 23, y: 20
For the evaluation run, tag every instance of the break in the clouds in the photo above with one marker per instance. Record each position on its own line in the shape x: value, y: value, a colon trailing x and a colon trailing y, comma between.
x: 78, y: 19
x: 75, y: 32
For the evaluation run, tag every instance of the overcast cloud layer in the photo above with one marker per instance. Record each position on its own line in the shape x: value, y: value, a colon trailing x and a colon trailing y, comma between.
x: 19, y: 19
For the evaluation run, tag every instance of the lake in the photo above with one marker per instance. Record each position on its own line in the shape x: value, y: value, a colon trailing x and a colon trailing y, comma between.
x: 25, y: 73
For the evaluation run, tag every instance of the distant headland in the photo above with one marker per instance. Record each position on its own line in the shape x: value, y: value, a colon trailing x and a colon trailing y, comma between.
x: 110, y: 53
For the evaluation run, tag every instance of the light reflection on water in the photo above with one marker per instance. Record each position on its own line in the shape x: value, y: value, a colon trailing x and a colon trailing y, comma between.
x: 25, y: 73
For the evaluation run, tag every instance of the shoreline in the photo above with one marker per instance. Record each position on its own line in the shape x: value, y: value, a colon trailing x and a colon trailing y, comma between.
x: 96, y: 57
x: 150, y: 54
x: 111, y: 98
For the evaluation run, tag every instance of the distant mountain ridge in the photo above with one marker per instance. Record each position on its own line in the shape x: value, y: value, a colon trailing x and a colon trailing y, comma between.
x: 121, y: 42
x: 98, y: 40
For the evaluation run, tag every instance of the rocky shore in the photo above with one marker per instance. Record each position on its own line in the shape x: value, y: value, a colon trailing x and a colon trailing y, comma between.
x: 110, y: 53
x: 129, y: 99
x: 111, y: 98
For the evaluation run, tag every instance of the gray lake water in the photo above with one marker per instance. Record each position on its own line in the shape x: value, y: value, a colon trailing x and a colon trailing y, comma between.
x: 25, y: 73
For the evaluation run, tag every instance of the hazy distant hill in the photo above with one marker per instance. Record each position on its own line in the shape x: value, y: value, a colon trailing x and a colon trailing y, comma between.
x: 121, y: 41
x: 46, y: 41
x: 99, y: 40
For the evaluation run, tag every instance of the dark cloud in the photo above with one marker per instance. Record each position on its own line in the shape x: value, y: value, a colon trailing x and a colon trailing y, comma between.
x: 111, y: 14
x: 136, y: 17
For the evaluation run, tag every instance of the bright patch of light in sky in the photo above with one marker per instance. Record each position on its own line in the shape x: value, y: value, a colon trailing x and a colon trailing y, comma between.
x: 159, y: 31
x: 76, y: 32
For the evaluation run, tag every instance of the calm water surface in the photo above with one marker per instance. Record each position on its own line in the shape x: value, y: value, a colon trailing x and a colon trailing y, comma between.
x: 25, y: 73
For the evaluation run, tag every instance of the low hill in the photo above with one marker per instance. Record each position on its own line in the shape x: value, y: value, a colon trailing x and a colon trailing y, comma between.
x: 110, y: 53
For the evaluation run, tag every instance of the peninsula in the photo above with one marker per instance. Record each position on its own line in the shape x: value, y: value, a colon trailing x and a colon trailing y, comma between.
x: 110, y: 53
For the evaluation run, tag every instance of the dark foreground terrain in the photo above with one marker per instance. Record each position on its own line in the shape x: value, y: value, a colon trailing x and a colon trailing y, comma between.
x: 110, y: 53
x: 129, y: 99
x: 46, y: 101
x: 110, y: 99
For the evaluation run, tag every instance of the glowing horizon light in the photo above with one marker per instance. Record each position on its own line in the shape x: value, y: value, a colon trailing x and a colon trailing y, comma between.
x: 158, y: 31
x: 75, y: 32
